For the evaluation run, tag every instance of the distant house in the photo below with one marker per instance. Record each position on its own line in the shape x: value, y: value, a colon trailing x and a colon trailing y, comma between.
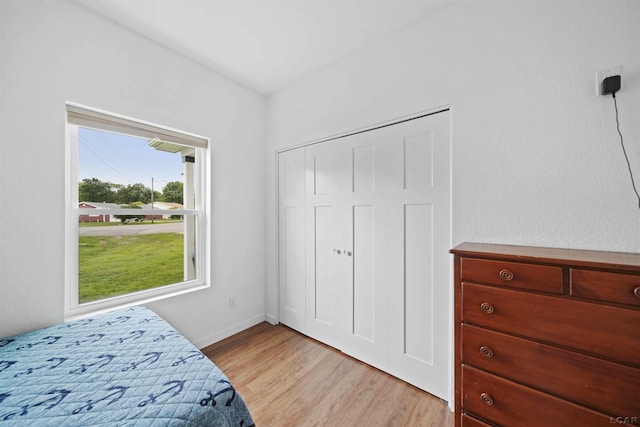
x: 161, y: 205
x: 97, y: 218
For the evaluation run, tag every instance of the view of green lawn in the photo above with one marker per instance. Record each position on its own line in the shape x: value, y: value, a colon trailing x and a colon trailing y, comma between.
x: 116, y: 265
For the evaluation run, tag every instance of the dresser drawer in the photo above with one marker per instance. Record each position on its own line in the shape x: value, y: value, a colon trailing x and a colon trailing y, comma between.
x: 594, y: 328
x: 605, y: 286
x: 535, y: 277
x: 602, y: 385
x: 468, y: 421
x: 506, y: 403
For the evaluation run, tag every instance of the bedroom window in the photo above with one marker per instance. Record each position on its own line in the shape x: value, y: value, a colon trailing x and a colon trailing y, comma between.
x: 137, y: 216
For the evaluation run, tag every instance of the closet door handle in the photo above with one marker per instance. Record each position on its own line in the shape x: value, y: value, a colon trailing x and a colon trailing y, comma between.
x: 337, y: 251
x: 347, y: 253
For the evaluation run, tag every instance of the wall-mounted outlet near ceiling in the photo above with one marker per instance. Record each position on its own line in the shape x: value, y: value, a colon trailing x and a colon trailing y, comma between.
x: 604, y: 73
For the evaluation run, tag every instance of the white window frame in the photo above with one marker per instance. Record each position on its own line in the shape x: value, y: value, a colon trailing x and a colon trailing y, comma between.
x: 82, y: 116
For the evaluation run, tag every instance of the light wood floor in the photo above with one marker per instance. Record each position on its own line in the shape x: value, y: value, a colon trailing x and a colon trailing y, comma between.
x: 288, y: 379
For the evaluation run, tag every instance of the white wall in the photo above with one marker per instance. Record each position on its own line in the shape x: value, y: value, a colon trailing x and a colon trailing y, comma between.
x: 536, y: 156
x: 54, y: 51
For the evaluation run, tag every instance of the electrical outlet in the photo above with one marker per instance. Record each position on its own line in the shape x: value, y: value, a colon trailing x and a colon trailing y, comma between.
x: 232, y: 301
x: 604, y: 73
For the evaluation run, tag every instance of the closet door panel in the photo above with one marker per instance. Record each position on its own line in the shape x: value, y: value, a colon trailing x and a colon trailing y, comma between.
x: 326, y: 272
x: 365, y: 333
x: 418, y: 283
x: 419, y: 238
x: 293, y: 249
x: 291, y: 238
x: 362, y: 205
x: 418, y: 161
x: 322, y: 174
x: 364, y: 274
x: 363, y: 169
x: 325, y: 263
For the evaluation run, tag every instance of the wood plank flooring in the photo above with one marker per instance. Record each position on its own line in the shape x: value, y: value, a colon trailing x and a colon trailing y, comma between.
x: 288, y: 379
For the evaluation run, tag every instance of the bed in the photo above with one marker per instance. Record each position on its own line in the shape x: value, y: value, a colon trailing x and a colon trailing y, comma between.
x: 124, y: 368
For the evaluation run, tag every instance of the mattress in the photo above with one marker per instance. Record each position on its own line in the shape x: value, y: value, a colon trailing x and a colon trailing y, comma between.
x: 124, y: 368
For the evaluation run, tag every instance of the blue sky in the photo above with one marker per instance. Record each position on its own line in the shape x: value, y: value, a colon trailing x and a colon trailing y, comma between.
x: 123, y: 159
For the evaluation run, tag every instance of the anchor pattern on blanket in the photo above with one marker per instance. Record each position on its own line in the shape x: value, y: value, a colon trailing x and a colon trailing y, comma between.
x: 129, y: 365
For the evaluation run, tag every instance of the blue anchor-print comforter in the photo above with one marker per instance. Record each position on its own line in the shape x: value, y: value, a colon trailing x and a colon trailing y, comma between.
x: 125, y: 368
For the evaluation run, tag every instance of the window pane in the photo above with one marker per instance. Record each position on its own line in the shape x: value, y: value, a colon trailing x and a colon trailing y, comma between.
x: 124, y: 169
x: 125, y: 253
x: 116, y: 259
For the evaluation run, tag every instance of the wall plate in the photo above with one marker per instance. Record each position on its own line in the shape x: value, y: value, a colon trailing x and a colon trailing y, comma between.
x: 607, y: 72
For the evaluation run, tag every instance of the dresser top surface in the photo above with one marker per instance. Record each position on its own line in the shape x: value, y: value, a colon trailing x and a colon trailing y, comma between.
x: 574, y: 257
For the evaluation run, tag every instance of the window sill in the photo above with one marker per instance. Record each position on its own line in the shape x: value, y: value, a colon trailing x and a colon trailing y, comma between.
x: 130, y: 300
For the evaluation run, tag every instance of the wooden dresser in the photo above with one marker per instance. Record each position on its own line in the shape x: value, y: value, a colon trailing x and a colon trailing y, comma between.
x: 546, y: 337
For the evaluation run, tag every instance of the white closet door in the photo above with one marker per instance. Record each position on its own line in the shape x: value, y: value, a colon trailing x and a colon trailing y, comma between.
x: 363, y: 245
x: 418, y: 253
x: 325, y: 261
x: 291, y: 238
x: 363, y: 201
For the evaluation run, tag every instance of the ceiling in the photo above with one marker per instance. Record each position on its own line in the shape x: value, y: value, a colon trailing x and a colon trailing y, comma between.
x: 266, y: 45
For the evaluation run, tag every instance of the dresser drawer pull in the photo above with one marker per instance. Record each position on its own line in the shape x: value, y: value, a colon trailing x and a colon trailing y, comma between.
x: 636, y: 292
x: 506, y: 275
x: 486, y: 308
x: 486, y: 352
x: 488, y: 400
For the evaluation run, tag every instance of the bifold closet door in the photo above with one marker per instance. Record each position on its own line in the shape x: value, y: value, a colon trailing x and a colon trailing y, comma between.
x: 363, y: 204
x: 346, y: 246
x: 291, y: 238
x: 397, y: 198
x: 325, y: 263
x: 364, y: 234
x: 418, y: 253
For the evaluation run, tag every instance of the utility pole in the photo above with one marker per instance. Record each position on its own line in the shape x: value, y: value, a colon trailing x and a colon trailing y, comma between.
x: 152, y: 200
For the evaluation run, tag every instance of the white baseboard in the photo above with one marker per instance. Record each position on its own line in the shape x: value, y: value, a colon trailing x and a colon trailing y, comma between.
x: 238, y: 327
x: 270, y: 318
